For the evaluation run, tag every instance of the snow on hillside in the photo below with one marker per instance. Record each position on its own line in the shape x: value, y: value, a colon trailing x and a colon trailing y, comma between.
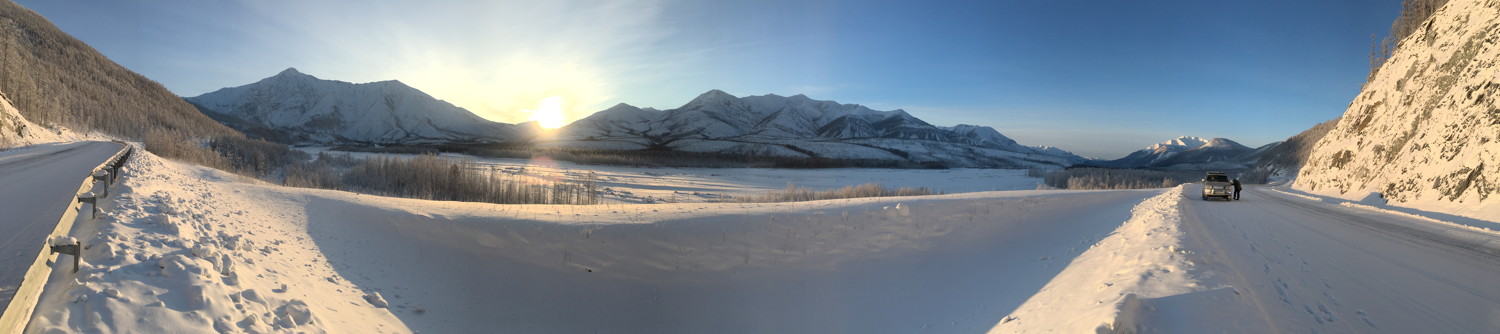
x: 299, y: 108
x: 16, y: 130
x: 1424, y: 132
x: 798, y: 126
x: 1283, y: 160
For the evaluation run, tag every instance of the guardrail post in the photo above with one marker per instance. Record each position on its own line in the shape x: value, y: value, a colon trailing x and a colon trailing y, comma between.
x: 75, y: 249
x: 93, y: 202
x: 102, y: 175
x: 114, y: 168
x: 114, y: 171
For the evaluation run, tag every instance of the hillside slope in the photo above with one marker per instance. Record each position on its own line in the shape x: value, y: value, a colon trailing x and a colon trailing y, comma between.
x: 1425, y: 130
x: 54, y: 79
x: 1285, y: 159
x: 297, y: 108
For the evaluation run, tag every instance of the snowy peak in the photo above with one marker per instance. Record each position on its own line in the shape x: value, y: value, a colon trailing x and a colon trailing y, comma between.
x: 621, y: 107
x: 1179, y: 144
x: 982, y: 135
x: 1221, y: 144
x: 712, y: 97
x: 292, y: 72
x: 297, y: 108
x: 1188, y: 152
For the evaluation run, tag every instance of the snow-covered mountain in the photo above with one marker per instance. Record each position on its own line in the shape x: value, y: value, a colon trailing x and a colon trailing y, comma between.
x: 800, y: 127
x: 298, y: 108
x: 1189, y: 153
x: 1425, y: 130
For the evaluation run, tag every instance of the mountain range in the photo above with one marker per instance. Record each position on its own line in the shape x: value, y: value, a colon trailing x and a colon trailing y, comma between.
x: 801, y: 127
x: 296, y: 108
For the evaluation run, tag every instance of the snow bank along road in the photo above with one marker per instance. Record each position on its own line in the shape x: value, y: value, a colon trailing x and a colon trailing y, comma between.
x: 187, y: 249
x: 36, y: 185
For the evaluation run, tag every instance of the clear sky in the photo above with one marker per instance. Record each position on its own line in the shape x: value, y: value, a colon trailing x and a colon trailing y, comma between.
x: 1099, y: 78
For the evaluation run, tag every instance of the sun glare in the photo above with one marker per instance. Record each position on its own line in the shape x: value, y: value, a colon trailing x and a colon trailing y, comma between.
x: 548, y: 113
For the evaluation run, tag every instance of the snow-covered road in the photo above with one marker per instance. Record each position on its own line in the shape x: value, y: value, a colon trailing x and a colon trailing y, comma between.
x: 36, y: 185
x: 1302, y: 264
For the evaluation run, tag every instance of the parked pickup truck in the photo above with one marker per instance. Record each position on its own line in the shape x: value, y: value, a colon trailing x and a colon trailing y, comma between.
x: 1216, y: 184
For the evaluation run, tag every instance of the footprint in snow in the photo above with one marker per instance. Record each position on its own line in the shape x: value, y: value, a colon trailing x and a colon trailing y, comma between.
x: 1366, y: 317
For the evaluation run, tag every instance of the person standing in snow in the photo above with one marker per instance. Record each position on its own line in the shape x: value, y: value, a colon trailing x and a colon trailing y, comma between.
x: 1236, y: 184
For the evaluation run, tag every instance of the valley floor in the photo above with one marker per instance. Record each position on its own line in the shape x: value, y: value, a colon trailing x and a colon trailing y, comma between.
x: 624, y: 184
x: 187, y: 249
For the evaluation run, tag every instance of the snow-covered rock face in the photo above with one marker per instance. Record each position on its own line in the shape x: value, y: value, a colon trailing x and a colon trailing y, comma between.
x: 16, y: 130
x: 1425, y: 128
x: 299, y: 108
x: 798, y: 126
x: 1189, y: 153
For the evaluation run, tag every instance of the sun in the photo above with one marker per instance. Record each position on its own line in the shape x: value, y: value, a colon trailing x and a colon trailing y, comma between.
x: 549, y: 113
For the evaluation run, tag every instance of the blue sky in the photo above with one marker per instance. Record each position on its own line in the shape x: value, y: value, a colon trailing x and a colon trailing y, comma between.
x: 1099, y: 78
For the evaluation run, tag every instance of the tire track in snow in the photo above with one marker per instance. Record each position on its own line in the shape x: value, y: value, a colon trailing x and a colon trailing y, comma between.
x: 1346, y: 270
x: 1195, y: 232
x: 1405, y: 234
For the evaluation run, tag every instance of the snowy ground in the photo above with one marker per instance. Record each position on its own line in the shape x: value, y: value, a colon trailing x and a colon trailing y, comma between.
x: 185, y: 249
x: 695, y: 185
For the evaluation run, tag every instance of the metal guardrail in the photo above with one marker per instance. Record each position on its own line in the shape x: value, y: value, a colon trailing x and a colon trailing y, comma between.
x: 18, y: 313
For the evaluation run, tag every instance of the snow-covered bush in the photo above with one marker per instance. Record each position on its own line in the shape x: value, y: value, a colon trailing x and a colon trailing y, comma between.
x: 321, y: 173
x: 253, y: 157
x: 1106, y: 178
x: 236, y: 154
x: 1413, y: 13
x: 792, y: 193
x: 430, y: 177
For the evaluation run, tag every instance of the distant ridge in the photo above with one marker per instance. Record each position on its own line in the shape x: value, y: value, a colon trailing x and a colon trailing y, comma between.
x: 1189, y: 153
x: 296, y: 108
x: 800, y: 127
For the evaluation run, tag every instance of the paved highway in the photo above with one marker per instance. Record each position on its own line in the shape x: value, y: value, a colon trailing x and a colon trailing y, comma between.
x: 36, y: 185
